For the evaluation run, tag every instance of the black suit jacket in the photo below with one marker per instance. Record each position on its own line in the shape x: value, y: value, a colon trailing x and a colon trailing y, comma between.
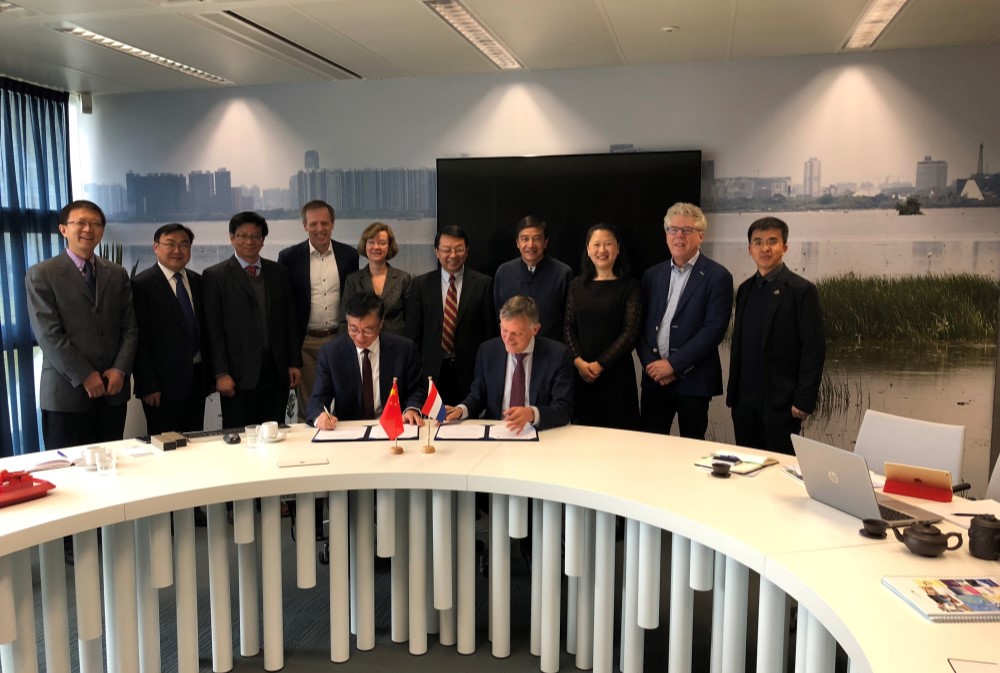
x: 550, y: 388
x: 234, y: 322
x: 338, y: 377
x: 476, y: 322
x: 296, y: 260
x: 794, y: 347
x: 163, y: 359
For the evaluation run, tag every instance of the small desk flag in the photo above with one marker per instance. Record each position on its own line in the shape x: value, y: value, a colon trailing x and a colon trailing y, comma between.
x: 392, y: 415
x: 434, y: 407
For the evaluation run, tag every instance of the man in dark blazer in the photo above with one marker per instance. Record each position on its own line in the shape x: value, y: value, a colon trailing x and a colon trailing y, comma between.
x: 252, y: 334
x: 318, y: 268
x: 687, y: 301
x: 448, y: 348
x: 545, y: 396
x: 80, y: 308
x: 170, y: 375
x: 340, y: 371
x: 778, y: 346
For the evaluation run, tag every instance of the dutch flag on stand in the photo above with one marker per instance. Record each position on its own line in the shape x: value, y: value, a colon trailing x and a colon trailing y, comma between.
x: 434, y: 407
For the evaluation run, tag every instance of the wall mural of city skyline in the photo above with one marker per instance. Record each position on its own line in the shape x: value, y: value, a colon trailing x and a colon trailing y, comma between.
x: 829, y: 143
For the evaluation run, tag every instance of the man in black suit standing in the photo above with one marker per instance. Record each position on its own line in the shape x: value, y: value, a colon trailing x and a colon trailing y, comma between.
x: 80, y: 308
x: 170, y: 376
x: 453, y: 315
x: 778, y: 347
x: 521, y: 378
x: 354, y: 372
x: 318, y: 268
x: 252, y: 335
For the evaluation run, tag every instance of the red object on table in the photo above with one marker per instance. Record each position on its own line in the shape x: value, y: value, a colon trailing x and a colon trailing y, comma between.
x: 20, y: 486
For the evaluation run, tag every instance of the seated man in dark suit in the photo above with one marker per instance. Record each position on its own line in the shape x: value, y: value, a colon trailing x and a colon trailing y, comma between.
x: 354, y: 371
x: 520, y: 377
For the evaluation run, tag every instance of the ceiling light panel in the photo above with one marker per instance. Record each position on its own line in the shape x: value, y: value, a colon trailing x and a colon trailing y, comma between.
x: 873, y: 22
x: 456, y: 15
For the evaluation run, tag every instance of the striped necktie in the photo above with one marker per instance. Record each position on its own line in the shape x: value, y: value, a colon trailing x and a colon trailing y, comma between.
x: 450, y: 317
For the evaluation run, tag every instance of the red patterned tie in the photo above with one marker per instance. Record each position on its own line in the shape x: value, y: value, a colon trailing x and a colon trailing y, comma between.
x: 450, y: 317
x: 517, y: 381
x: 252, y: 270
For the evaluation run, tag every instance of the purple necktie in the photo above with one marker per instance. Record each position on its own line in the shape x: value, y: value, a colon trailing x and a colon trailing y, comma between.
x: 517, y: 381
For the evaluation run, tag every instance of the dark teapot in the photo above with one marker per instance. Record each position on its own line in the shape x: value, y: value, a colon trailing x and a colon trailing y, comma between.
x: 984, y: 537
x: 924, y: 539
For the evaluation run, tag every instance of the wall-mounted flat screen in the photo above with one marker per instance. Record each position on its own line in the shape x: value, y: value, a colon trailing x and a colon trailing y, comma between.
x: 487, y: 197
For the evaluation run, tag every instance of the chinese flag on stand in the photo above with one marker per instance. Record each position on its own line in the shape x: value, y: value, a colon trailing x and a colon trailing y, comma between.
x: 392, y: 415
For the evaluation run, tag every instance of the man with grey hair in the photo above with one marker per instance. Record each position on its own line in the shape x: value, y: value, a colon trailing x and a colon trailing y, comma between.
x: 687, y: 301
x: 520, y: 377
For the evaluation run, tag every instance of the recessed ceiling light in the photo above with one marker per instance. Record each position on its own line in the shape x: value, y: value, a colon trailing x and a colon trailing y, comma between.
x: 873, y: 23
x: 9, y: 7
x: 156, y: 59
x: 459, y: 18
x: 670, y: 29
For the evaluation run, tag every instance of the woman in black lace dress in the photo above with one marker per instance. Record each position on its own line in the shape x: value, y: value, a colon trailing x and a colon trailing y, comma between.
x: 602, y: 322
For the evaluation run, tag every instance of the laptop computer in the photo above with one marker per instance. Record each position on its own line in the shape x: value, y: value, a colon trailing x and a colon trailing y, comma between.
x: 841, y: 479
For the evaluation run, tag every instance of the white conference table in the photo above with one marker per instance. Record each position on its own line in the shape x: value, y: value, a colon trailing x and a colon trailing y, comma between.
x: 579, y: 479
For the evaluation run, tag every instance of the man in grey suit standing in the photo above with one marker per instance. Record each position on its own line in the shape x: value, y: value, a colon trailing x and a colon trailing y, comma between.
x: 80, y: 307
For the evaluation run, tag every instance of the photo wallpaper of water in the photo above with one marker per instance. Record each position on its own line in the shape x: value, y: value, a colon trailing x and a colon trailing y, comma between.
x: 887, y: 170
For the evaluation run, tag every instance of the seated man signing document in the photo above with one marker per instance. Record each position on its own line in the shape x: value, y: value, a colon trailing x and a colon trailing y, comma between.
x: 354, y: 371
x: 520, y: 378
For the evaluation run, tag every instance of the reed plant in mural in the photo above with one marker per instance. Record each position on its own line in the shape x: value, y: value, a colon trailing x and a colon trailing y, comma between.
x: 115, y: 252
x: 959, y: 308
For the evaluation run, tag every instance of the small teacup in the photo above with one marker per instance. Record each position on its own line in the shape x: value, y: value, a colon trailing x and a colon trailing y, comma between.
x: 721, y: 468
x: 874, y: 528
x: 269, y: 430
x: 90, y: 455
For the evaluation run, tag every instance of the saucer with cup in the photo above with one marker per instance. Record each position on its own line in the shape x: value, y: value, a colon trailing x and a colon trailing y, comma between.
x: 874, y: 528
x: 270, y: 432
x: 721, y: 468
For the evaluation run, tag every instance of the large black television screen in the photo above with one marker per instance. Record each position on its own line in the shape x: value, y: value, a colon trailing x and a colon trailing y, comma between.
x: 487, y: 197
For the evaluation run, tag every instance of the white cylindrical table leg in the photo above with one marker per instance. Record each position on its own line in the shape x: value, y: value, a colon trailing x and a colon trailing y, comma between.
x: 385, y: 509
x: 500, y: 574
x: 87, y: 584
x: 702, y: 566
x: 107, y: 551
x: 734, y: 623
x: 433, y: 616
x: 8, y: 621
x: 551, y: 585
x: 246, y: 574
x: 55, y: 617
x: 400, y: 569
x: 160, y: 552
x: 631, y: 650
x: 441, y: 548
x: 126, y: 616
x: 91, y: 656
x: 365, y: 576
x: 801, y: 640
x: 243, y: 522
x: 418, y: 571
x: 681, y: 606
x: 149, y: 600
x: 340, y: 589
x: 572, y: 588
x: 21, y: 655
x: 218, y: 589
x: 585, y: 598
x: 648, y: 610
x: 305, y: 540
x: 517, y: 508
x: 466, y: 593
x: 604, y: 593
x: 821, y: 649
x: 270, y: 570
x: 186, y: 592
x: 770, y: 628
x: 574, y: 541
x: 447, y: 618
x: 718, y: 611
x: 536, y: 578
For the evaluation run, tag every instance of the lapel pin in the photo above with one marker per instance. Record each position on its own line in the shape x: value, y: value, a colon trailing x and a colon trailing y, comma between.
x: 777, y: 292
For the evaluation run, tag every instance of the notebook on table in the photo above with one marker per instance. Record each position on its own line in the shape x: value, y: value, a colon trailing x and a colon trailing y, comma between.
x: 950, y: 599
x: 841, y: 479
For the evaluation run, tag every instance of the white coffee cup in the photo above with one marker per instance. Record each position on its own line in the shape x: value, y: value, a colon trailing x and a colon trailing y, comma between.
x: 269, y: 430
x: 90, y: 455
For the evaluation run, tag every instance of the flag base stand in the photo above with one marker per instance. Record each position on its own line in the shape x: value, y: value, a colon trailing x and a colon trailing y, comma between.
x: 395, y: 449
x: 428, y: 449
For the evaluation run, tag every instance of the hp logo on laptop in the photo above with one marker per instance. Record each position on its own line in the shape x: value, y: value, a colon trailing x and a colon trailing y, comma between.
x: 832, y: 476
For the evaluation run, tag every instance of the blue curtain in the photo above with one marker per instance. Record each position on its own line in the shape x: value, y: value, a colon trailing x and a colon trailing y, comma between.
x: 34, y: 185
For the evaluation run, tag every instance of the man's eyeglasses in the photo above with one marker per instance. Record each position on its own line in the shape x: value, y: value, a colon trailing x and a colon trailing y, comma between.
x: 256, y: 238
x: 368, y: 332
x: 457, y: 251
x: 83, y: 224
x: 171, y: 245
x: 687, y: 231
x: 768, y: 243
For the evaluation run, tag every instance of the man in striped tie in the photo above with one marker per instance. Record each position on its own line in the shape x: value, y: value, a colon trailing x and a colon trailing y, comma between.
x: 453, y: 315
